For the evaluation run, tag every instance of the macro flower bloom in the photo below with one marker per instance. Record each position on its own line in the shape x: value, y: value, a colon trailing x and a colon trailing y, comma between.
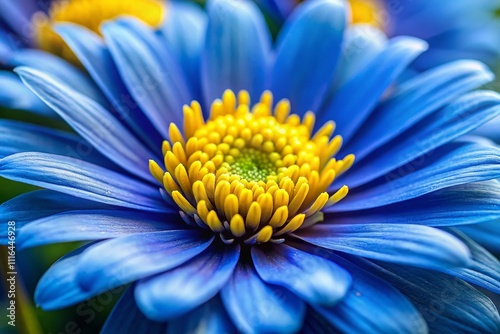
x: 466, y: 29
x: 241, y: 186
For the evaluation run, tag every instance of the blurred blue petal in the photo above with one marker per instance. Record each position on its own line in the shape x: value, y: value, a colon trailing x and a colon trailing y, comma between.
x: 15, y: 95
x: 184, y: 31
x: 307, y: 52
x: 236, y: 52
x: 362, y: 93
x: 58, y: 287
x: 92, y: 122
x: 361, y: 44
x: 95, y: 56
x: 150, y: 72
x: 59, y: 69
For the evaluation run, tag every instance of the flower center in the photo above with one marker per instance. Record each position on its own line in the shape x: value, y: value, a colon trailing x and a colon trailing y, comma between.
x: 251, y: 174
x: 366, y: 11
x: 250, y: 164
x: 90, y: 14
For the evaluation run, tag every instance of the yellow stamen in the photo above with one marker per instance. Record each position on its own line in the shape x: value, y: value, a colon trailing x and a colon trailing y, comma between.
x: 90, y: 14
x: 237, y: 225
x: 251, y: 174
x: 265, y: 234
x: 156, y: 171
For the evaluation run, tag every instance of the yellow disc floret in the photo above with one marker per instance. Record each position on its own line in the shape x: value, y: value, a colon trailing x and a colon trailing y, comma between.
x: 251, y: 174
x: 90, y: 14
x: 366, y: 11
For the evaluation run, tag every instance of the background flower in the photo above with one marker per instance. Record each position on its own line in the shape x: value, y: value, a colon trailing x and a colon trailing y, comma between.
x: 454, y: 29
x: 389, y: 244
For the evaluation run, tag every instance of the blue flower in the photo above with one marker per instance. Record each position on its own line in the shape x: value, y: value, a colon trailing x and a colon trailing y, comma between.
x: 241, y: 219
x: 27, y: 38
x: 466, y: 29
x: 28, y: 23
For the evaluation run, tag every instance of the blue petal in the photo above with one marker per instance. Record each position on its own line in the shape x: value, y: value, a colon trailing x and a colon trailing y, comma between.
x: 16, y: 15
x: 414, y: 100
x: 371, y: 305
x: 20, y: 137
x: 236, y: 51
x: 8, y: 43
x: 312, y: 278
x: 414, y: 245
x: 15, y: 95
x: 81, y: 179
x: 484, y: 269
x: 361, y: 44
x: 209, y: 318
x: 38, y: 204
x: 486, y: 234
x: 468, y: 203
x: 448, y: 304
x: 92, y: 225
x: 452, y: 164
x: 60, y: 69
x: 457, y: 119
x: 175, y: 292
x: 256, y: 307
x: 137, y: 256
x: 490, y: 130
x: 95, y: 56
x: 359, y: 95
x: 92, y: 122
x: 126, y: 318
x: 184, y: 30
x: 58, y: 287
x: 149, y: 71
x: 308, y: 49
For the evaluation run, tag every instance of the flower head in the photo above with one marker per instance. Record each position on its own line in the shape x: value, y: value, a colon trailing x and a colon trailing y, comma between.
x: 206, y: 172
x: 253, y: 175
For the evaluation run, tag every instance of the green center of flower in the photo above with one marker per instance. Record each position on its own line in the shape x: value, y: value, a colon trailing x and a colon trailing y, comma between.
x: 250, y: 164
x: 251, y: 174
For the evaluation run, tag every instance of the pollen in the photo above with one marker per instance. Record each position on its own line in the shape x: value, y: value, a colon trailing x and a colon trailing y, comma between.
x: 90, y: 14
x: 251, y: 174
